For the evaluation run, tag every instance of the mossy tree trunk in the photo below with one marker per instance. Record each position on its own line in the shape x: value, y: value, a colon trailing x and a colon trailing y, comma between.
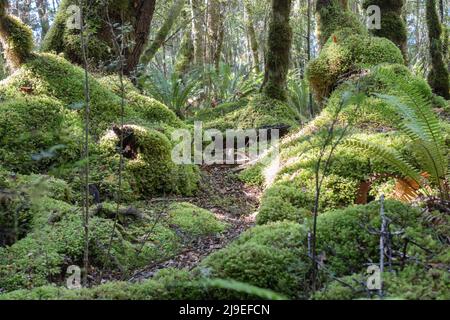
x: 136, y: 13
x: 392, y: 23
x: 185, y: 56
x: 198, y: 32
x: 15, y: 37
x: 162, y: 33
x: 438, y: 76
x: 215, y: 32
x: 279, y: 44
x: 43, y: 17
x: 252, y: 36
x: 334, y: 15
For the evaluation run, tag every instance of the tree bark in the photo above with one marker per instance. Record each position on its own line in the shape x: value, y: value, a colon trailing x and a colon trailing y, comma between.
x: 438, y: 76
x: 279, y: 43
x: 17, y: 50
x: 42, y: 8
x: 198, y: 32
x: 162, y: 33
x: 252, y: 36
x: 392, y: 24
x: 137, y: 13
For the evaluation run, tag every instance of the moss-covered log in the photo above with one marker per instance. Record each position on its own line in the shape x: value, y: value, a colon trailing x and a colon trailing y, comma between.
x: 278, y: 48
x: 137, y: 13
x: 438, y: 76
x: 15, y: 37
x: 392, y: 24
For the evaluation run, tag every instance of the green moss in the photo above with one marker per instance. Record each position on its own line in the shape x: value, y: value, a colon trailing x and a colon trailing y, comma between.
x: 61, y: 39
x: 348, y: 246
x: 263, y: 111
x: 278, y: 205
x: 167, y: 284
x: 266, y: 256
x: 17, y: 40
x: 195, y: 221
x: 348, y: 54
x: 392, y: 23
x: 35, y: 133
x: 332, y: 16
x: 412, y: 283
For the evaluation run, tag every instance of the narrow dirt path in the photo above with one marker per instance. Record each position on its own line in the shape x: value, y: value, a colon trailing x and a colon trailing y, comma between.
x: 230, y: 200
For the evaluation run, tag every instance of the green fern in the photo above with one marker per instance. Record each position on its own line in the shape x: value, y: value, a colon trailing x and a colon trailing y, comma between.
x: 420, y: 124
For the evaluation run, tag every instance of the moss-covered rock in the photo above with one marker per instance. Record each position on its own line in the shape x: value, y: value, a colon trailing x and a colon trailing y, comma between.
x: 348, y: 246
x: 412, y: 283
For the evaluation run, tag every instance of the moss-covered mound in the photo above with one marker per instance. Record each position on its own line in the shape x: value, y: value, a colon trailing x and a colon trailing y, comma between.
x: 268, y: 257
x: 148, y: 167
x: 195, y: 221
x: 37, y: 132
x: 51, y: 237
x: 258, y: 112
x: 53, y: 76
x: 347, y: 53
x: 47, y: 93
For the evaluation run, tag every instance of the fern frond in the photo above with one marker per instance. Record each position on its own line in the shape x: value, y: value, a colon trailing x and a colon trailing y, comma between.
x: 390, y: 156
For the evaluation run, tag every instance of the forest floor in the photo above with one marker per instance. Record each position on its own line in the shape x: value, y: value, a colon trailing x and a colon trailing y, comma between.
x: 229, y: 199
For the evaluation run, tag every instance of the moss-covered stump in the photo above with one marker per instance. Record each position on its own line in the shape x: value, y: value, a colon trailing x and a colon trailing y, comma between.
x: 256, y: 113
x: 347, y: 53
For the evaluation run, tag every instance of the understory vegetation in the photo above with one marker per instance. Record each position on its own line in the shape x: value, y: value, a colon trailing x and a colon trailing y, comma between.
x: 88, y: 178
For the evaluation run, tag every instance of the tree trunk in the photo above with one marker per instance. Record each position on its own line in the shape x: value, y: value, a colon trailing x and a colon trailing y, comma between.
x: 17, y: 49
x: 185, y: 56
x: 214, y: 32
x: 333, y: 15
x: 161, y: 36
x: 438, y: 76
x: 392, y: 24
x: 137, y: 13
x: 42, y: 8
x: 198, y: 32
x: 278, y: 50
x: 252, y: 36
